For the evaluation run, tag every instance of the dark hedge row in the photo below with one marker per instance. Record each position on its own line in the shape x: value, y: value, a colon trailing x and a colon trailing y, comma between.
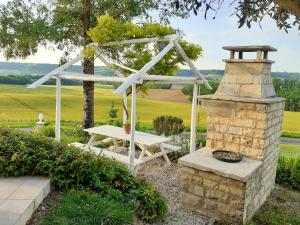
x: 28, y: 154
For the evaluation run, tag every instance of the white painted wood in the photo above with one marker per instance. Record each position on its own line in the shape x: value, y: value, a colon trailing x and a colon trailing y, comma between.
x: 132, y: 78
x: 194, y: 119
x: 143, y: 40
x: 84, y: 77
x: 132, y: 129
x: 118, y: 132
x: 58, y: 109
x: 151, y: 78
x: 125, y: 104
x: 54, y: 72
x: 107, y: 62
x: 169, y: 78
x: 190, y: 63
x: 122, y: 66
x: 101, y: 151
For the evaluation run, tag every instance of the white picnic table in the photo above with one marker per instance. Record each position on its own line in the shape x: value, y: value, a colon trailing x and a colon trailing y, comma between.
x: 141, y: 139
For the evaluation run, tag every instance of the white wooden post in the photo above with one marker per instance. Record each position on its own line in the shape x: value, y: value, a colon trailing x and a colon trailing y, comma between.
x: 125, y: 104
x: 194, y: 118
x: 58, y: 109
x: 132, y: 130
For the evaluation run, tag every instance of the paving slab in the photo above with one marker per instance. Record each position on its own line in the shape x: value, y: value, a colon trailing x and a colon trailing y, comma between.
x: 20, y: 197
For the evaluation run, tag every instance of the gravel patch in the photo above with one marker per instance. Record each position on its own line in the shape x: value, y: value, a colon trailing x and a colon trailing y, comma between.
x: 167, y: 181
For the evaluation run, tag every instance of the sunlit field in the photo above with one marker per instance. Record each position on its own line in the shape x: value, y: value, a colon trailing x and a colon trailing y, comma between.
x: 19, y: 105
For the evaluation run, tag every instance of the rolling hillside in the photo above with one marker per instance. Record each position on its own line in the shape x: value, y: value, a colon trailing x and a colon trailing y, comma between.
x: 40, y: 69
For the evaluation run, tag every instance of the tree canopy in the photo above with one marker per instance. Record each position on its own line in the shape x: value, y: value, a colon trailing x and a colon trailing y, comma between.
x: 286, y: 13
x: 137, y: 55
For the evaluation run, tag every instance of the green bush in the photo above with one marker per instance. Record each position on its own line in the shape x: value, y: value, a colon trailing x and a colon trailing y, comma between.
x: 28, y: 154
x: 48, y: 131
x: 85, y: 207
x: 184, y: 143
x: 168, y: 125
x: 288, y: 172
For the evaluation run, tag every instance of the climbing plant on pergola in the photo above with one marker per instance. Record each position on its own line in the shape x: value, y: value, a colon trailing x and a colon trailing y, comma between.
x: 136, y: 77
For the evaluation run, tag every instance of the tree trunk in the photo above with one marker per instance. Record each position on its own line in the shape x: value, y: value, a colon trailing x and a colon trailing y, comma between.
x: 88, y: 68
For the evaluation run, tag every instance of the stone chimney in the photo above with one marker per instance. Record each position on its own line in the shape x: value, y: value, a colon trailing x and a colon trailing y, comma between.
x: 248, y: 78
x: 244, y: 116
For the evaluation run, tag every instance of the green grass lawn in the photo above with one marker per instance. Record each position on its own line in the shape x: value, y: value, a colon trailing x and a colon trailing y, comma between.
x: 20, y: 106
x: 87, y: 208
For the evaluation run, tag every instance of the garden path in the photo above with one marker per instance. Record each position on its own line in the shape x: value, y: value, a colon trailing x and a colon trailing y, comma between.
x: 20, y: 197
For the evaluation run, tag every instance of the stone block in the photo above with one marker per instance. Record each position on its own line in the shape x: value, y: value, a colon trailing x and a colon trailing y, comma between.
x: 250, y: 91
x: 219, y: 108
x: 245, y: 106
x: 235, y: 130
x: 261, y: 107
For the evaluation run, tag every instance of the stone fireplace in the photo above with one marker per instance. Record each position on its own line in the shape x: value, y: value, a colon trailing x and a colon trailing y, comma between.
x: 244, y: 116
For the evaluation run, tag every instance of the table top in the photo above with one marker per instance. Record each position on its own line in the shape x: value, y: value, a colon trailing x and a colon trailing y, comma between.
x: 118, y: 132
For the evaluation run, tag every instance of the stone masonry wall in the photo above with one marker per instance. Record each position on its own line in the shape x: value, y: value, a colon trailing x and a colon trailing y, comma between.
x: 225, y: 198
x: 212, y: 195
x: 247, y: 79
x: 252, y: 129
x: 260, y: 185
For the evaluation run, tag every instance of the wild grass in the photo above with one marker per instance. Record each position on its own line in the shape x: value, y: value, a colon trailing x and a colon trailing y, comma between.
x: 85, y: 208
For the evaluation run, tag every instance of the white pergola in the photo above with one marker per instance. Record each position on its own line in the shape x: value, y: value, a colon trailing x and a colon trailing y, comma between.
x: 136, y: 77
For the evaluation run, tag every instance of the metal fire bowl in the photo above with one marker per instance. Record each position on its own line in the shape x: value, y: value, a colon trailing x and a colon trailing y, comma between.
x: 227, y: 156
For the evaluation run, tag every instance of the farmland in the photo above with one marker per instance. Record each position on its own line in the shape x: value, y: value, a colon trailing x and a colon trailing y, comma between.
x: 21, y: 106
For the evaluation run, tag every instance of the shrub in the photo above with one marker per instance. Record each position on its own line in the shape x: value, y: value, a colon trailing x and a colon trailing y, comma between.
x: 288, y: 172
x: 168, y: 125
x: 48, y: 131
x: 85, y: 207
x: 113, y: 112
x: 28, y: 154
x: 184, y: 143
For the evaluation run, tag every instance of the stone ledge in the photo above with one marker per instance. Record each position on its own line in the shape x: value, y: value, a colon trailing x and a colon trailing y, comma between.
x: 248, y: 61
x: 202, y: 160
x: 240, y: 99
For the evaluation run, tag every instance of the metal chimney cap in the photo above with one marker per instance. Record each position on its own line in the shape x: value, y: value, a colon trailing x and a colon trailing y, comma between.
x: 250, y: 48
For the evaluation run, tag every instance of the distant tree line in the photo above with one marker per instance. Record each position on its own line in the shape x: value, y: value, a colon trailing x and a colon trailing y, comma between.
x: 289, y: 89
x: 286, y: 88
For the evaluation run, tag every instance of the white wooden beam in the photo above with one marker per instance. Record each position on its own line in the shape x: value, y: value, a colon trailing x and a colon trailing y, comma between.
x: 90, y: 77
x: 190, y: 63
x: 54, y: 72
x: 132, y: 78
x: 142, y: 40
x: 58, y: 109
x: 151, y: 78
x: 169, y: 78
x: 108, y: 63
x: 132, y: 129
x: 194, y: 119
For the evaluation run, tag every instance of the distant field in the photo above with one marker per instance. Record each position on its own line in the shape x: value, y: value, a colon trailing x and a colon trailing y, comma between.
x: 17, y: 104
x: 290, y: 150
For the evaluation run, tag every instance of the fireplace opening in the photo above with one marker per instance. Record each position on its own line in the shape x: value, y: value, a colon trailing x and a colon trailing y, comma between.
x: 227, y: 156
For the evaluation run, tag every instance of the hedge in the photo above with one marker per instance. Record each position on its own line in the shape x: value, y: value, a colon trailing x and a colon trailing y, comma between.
x: 68, y: 167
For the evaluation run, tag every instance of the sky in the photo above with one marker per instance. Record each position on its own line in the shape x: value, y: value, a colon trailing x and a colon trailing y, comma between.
x: 212, y: 35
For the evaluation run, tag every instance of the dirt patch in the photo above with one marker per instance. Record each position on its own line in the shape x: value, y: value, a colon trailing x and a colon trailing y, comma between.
x: 49, y: 203
x: 169, y: 95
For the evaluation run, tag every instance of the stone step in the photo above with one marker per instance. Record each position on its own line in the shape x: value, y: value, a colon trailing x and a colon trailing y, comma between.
x: 20, y: 197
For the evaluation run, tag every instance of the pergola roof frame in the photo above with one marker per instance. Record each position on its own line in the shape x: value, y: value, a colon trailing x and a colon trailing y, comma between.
x: 137, y: 77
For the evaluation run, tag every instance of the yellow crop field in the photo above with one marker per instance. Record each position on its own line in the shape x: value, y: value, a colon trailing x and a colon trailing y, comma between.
x: 17, y: 103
